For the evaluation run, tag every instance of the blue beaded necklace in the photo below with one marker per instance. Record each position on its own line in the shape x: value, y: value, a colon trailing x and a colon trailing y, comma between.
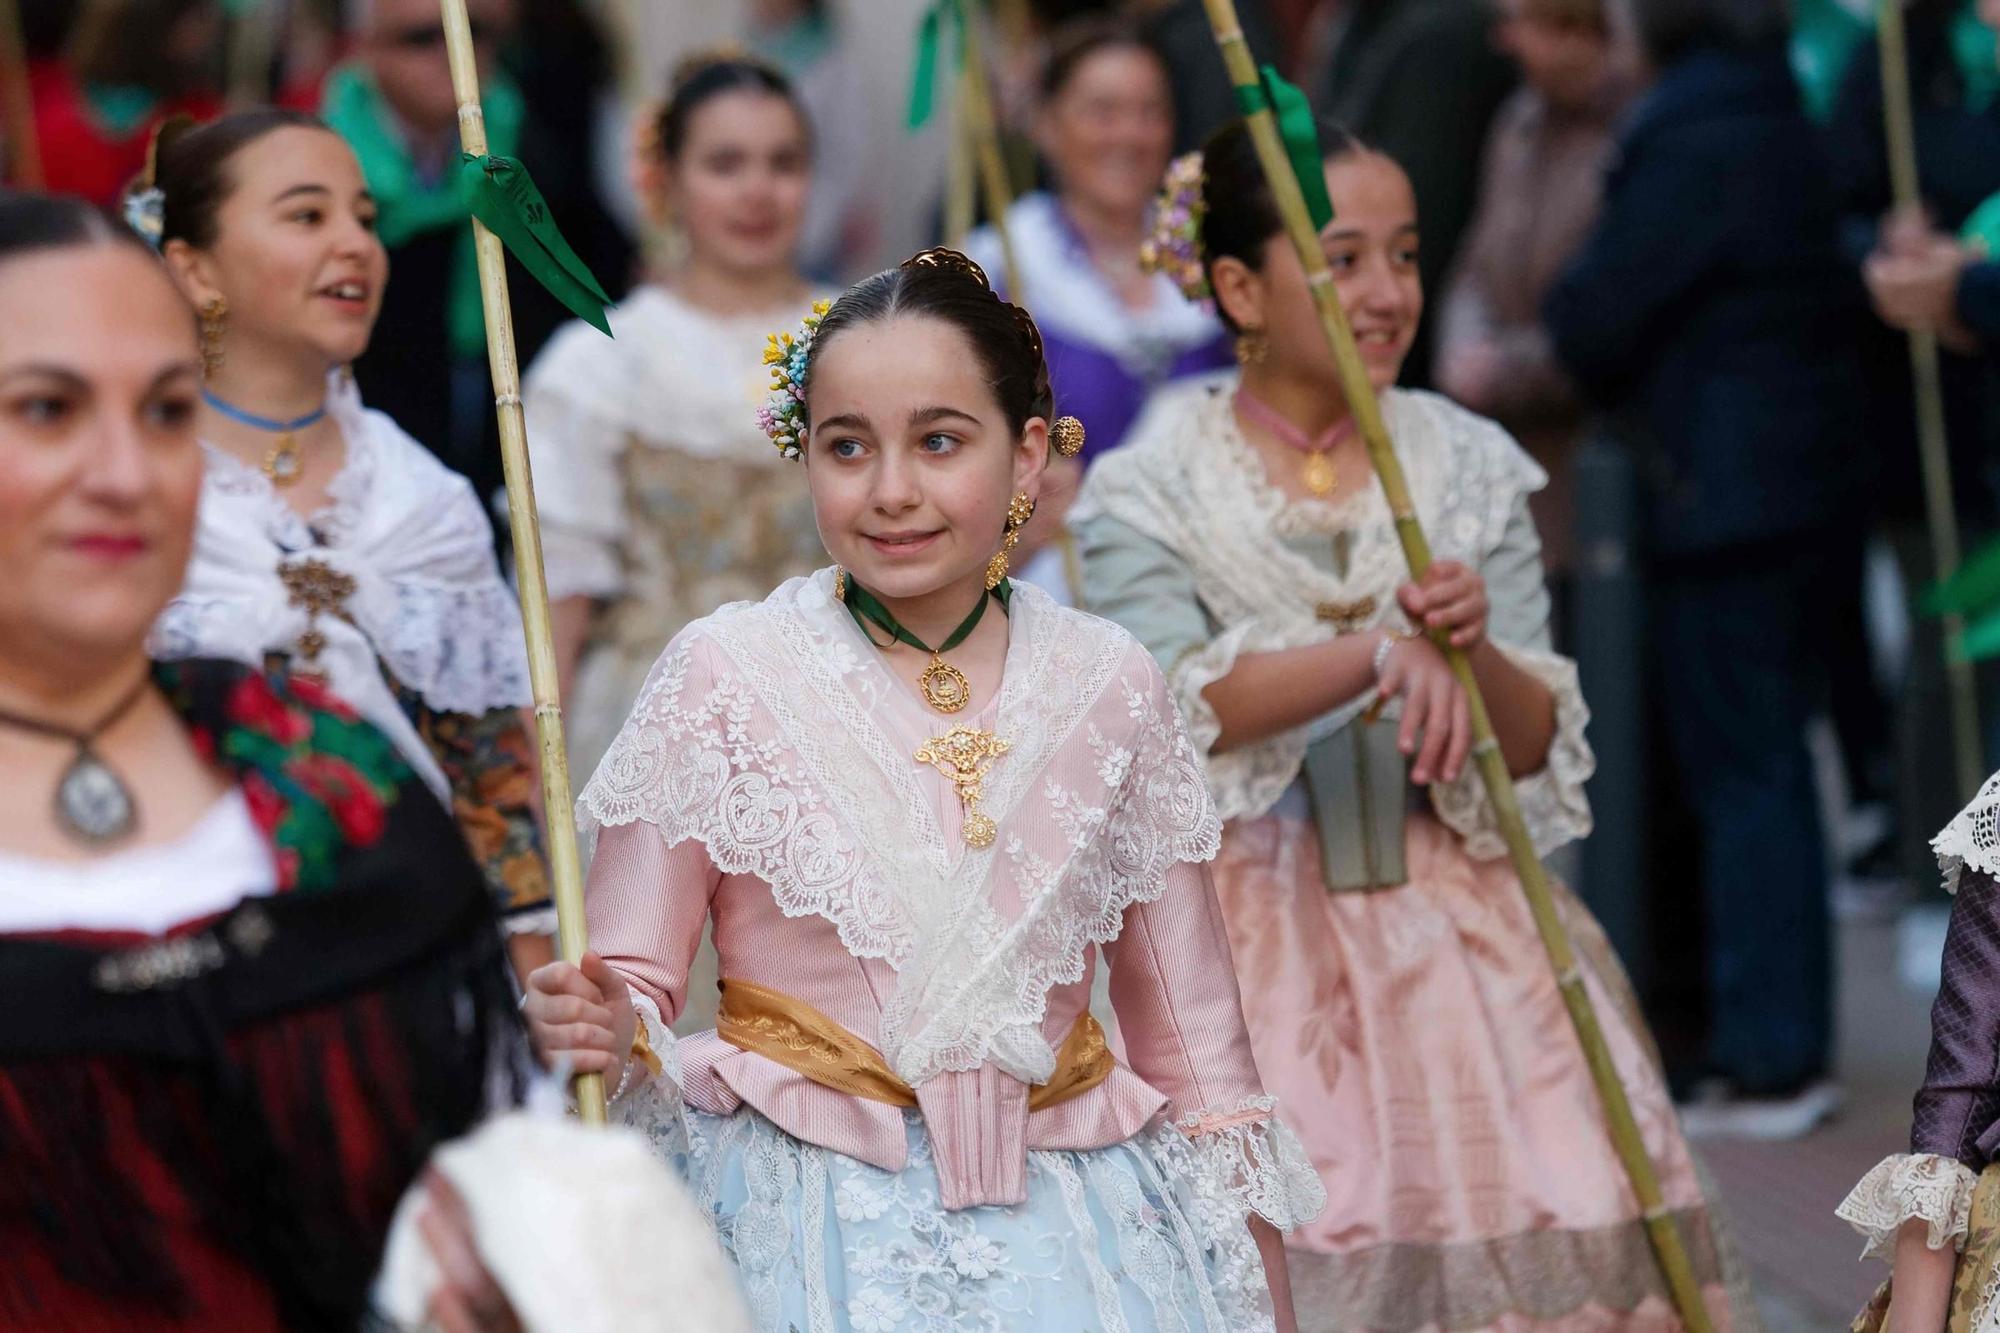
x: 282, y: 464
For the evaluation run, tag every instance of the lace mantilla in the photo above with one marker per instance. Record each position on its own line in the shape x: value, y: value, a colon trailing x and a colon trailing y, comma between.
x: 1190, y: 480
x: 1972, y: 838
x: 429, y: 599
x: 760, y: 733
x: 1906, y: 1186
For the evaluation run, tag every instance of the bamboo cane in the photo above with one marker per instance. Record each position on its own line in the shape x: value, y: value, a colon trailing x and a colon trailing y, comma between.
x: 1668, y: 1248
x: 17, y: 106
x: 252, y: 38
x: 984, y: 131
x: 1926, y: 378
x: 564, y: 861
x: 961, y: 189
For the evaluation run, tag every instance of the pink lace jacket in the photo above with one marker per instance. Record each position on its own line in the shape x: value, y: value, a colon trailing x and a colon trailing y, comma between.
x: 766, y: 778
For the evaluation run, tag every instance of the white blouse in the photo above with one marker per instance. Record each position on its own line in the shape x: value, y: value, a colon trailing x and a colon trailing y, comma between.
x: 216, y: 864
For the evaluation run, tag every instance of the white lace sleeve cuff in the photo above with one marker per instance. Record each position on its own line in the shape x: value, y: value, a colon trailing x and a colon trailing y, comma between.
x: 1249, y: 779
x: 1195, y: 671
x: 1972, y: 838
x: 1552, y: 800
x: 650, y: 1101
x: 530, y: 921
x: 1907, y: 1186
x: 1251, y: 1157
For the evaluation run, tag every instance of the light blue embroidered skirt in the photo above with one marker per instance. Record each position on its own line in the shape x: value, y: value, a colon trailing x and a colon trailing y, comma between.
x: 1125, y: 1239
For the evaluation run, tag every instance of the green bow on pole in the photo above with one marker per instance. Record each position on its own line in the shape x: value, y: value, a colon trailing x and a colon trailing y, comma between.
x: 1298, y: 130
x: 930, y: 36
x: 504, y: 197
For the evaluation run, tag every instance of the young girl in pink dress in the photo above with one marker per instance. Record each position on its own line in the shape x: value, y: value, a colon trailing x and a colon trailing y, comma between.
x: 919, y: 803
x: 1399, y: 1001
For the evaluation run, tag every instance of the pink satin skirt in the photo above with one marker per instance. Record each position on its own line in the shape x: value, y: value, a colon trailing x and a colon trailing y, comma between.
x: 1416, y: 1040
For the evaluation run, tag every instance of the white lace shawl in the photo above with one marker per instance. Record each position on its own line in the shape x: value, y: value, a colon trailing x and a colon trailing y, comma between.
x: 1189, y: 480
x: 758, y: 734
x: 428, y: 600
x: 1972, y: 838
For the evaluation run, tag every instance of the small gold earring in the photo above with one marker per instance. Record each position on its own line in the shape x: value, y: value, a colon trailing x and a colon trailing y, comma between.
x: 839, y: 584
x: 1019, y: 510
x: 1066, y: 436
x: 1252, y: 347
x: 214, y: 320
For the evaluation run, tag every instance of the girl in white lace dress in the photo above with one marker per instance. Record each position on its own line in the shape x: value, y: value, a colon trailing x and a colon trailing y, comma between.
x: 920, y: 804
x: 331, y: 544
x: 659, y: 498
x: 1398, y: 998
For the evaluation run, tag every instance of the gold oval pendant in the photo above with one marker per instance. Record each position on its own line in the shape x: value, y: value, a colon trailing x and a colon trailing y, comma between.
x: 1319, y: 474
x: 980, y: 831
x: 283, y: 464
x: 945, y: 686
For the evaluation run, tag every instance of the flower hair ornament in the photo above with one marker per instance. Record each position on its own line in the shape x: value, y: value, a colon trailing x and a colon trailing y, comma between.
x: 1174, y: 247
x: 145, y: 206
x: 146, y: 213
x: 783, y: 415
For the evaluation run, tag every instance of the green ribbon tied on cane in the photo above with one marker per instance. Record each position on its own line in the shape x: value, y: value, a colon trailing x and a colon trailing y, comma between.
x: 1299, y: 132
x: 1973, y: 594
x: 504, y: 197
x: 930, y: 37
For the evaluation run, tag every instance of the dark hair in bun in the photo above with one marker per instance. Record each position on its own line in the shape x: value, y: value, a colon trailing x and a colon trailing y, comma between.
x: 943, y: 284
x: 1238, y: 213
x: 704, y: 78
x: 189, y: 165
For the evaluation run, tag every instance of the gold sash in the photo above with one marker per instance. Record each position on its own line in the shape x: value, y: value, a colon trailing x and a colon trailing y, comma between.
x: 792, y: 1033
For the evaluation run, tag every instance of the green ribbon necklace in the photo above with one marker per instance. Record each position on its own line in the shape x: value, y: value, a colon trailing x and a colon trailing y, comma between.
x: 944, y: 685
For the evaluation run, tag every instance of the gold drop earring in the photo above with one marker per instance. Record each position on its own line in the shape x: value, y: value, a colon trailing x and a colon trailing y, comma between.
x: 214, y: 320
x: 1252, y: 347
x: 1019, y: 510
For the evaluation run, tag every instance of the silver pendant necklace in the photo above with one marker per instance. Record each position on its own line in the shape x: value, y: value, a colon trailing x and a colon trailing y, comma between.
x: 93, y: 805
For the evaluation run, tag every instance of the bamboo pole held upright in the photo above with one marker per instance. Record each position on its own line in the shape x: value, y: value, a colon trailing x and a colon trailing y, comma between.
x: 1927, y: 379
x: 1668, y: 1247
x: 984, y: 130
x: 17, y: 106
x: 961, y: 189
x: 565, y: 863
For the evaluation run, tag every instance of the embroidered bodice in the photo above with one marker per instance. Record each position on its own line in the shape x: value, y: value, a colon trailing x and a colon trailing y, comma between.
x: 766, y: 777
x: 1187, y: 505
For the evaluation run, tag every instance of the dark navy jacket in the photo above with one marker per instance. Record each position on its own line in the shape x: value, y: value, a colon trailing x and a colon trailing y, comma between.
x: 1711, y: 312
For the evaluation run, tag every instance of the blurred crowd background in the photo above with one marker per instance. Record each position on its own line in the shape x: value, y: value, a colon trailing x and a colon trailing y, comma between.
x: 1659, y: 245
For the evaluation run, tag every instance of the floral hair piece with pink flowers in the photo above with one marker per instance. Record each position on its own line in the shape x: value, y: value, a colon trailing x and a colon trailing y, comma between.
x: 783, y: 415
x: 1174, y: 247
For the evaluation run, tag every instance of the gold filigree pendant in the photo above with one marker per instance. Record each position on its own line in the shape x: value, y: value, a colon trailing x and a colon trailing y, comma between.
x: 283, y: 464
x: 965, y: 755
x: 944, y: 685
x: 1318, y: 473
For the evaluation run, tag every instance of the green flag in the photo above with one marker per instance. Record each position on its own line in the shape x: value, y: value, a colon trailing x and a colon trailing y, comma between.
x: 930, y: 37
x: 504, y: 197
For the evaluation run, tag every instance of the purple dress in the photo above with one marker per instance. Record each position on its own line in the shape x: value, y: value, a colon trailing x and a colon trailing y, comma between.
x: 1955, y: 1125
x: 1104, y: 357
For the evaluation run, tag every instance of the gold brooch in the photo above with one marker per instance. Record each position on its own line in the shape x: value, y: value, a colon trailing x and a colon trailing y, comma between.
x: 965, y: 755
